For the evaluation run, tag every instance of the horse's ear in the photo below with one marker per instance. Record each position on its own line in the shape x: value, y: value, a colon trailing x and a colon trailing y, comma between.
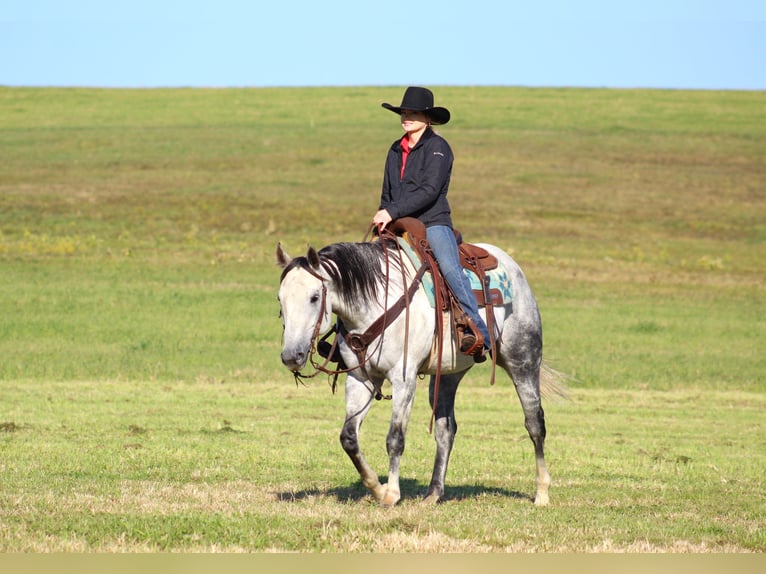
x: 283, y: 259
x: 313, y: 258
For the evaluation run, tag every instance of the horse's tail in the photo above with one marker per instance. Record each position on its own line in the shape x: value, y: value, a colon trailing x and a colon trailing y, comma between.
x: 553, y: 383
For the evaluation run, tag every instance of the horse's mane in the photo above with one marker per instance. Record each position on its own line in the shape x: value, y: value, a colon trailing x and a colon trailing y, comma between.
x: 355, y: 269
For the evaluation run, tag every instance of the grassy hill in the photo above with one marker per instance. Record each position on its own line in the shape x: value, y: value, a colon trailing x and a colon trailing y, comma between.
x: 140, y: 341
x: 639, y: 215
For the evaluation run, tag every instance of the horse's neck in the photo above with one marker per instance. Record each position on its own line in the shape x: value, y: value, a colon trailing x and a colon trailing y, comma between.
x: 358, y: 317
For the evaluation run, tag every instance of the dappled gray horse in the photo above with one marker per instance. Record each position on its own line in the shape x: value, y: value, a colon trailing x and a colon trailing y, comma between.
x: 350, y: 280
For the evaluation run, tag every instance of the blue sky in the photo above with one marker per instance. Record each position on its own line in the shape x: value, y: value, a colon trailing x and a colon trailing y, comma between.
x: 702, y: 44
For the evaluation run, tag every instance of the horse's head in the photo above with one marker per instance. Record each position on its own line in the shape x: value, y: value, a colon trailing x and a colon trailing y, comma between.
x: 304, y: 308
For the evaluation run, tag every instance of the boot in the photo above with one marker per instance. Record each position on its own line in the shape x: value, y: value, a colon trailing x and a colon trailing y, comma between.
x: 472, y: 344
x: 467, y: 342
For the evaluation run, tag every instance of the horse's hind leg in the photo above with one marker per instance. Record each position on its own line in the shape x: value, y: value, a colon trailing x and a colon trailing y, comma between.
x: 527, y: 383
x: 445, y: 429
x: 534, y: 421
x: 521, y: 354
x: 359, y: 397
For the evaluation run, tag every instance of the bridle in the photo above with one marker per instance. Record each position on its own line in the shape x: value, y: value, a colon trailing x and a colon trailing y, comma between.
x: 323, y: 366
x: 299, y: 377
x: 359, y: 343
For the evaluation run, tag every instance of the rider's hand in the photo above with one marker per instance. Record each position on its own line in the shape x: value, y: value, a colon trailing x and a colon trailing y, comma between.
x: 381, y: 219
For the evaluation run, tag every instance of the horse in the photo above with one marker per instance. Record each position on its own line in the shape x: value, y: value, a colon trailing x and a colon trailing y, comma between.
x: 357, y: 282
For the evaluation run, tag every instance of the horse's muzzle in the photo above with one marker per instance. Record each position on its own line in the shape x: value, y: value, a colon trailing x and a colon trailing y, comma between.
x: 294, y: 360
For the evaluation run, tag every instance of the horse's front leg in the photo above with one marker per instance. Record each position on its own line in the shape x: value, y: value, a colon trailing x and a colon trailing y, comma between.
x: 359, y: 397
x: 403, y: 399
x: 445, y: 429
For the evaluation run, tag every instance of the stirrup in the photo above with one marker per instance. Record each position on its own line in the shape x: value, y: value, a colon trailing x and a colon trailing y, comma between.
x: 467, y: 342
x: 471, y: 345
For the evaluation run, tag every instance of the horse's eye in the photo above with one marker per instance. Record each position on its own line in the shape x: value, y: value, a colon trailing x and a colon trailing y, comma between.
x: 314, y: 298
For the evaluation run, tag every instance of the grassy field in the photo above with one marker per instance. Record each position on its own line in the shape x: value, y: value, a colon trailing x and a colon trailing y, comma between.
x: 143, y: 406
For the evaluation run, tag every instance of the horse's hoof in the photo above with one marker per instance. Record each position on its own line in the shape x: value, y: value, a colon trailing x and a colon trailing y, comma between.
x: 541, y: 499
x: 431, y: 499
x: 391, y: 498
x: 379, y: 492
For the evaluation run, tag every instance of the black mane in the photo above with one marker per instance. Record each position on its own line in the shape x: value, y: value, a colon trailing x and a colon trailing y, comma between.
x: 355, y: 269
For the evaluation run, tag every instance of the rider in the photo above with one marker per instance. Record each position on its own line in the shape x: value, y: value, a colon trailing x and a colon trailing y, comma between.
x: 415, y: 183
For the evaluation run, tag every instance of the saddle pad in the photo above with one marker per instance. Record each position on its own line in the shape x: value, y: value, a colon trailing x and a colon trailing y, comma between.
x: 498, y: 278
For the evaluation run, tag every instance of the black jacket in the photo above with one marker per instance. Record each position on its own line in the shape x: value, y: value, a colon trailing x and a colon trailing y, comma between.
x: 422, y: 192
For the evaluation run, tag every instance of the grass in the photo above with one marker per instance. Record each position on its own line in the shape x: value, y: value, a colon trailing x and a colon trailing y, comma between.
x: 186, y: 466
x: 122, y: 321
x: 142, y: 403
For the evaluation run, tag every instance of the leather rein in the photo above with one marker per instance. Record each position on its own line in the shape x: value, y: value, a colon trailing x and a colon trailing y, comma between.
x: 360, y: 342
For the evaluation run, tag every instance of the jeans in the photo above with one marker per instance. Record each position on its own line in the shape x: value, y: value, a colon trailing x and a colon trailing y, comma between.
x: 444, y: 246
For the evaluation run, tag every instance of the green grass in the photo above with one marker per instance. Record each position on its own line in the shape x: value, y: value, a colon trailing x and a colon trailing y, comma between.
x: 143, y: 406
x: 242, y: 466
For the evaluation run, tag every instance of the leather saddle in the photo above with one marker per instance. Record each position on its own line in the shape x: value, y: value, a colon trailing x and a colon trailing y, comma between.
x: 473, y: 258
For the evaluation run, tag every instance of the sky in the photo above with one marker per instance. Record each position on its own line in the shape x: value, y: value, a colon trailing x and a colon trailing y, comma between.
x: 676, y: 44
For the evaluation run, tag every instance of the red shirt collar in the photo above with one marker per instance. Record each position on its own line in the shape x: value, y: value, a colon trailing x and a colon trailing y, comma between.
x: 405, y: 145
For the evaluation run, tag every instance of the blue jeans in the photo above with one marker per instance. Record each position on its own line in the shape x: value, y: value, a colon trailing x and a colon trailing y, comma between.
x: 444, y: 246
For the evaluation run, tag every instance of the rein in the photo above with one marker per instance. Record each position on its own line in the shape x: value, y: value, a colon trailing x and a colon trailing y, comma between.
x: 360, y: 343
x: 317, y: 326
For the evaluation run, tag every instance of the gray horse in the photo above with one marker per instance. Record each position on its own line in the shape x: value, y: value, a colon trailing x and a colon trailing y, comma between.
x: 358, y: 283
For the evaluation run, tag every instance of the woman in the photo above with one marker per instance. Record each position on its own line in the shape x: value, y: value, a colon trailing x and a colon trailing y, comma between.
x: 415, y: 184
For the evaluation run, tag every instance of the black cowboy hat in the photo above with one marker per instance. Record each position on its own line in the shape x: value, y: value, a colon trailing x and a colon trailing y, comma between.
x: 421, y: 100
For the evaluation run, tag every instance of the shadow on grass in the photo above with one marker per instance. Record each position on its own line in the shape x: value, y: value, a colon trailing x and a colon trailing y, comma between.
x: 411, y: 489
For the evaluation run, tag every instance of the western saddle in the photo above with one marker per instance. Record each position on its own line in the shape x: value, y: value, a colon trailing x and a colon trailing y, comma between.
x: 473, y: 258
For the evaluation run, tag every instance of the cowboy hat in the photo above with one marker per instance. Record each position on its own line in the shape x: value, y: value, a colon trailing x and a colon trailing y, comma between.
x: 421, y: 100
